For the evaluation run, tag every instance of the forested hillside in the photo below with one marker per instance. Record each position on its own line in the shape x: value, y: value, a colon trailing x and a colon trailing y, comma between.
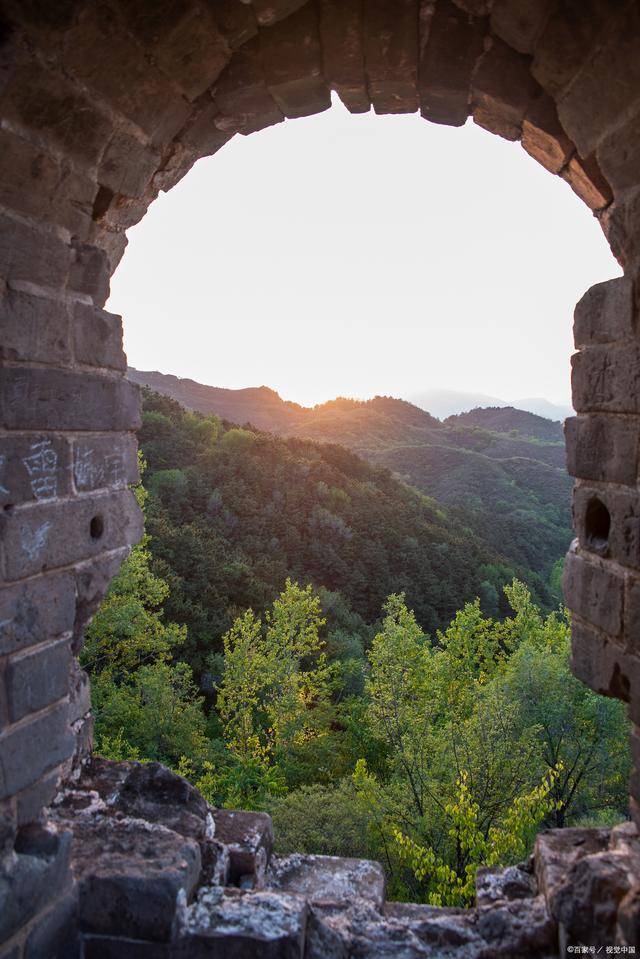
x: 232, y: 513
x: 499, y: 472
x: 507, y: 419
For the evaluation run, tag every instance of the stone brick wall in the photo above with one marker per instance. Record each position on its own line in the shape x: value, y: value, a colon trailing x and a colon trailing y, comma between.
x: 103, y: 105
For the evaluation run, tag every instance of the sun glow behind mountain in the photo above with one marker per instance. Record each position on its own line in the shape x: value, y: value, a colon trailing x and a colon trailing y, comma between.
x: 342, y: 255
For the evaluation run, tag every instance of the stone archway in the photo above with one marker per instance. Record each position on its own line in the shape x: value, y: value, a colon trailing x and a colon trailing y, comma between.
x: 105, y: 104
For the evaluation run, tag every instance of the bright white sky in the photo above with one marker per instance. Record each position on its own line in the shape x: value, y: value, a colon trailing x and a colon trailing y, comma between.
x: 355, y: 255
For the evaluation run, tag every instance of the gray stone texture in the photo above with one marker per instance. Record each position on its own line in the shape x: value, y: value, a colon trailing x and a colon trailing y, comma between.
x: 46, y: 535
x: 37, y: 678
x: 249, y: 838
x: 103, y: 461
x: 30, y: 612
x: 29, y: 750
x: 292, y: 60
x: 451, y: 44
x: 54, y: 399
x: 34, y: 877
x: 605, y: 313
x: 391, y: 55
x: 33, y: 468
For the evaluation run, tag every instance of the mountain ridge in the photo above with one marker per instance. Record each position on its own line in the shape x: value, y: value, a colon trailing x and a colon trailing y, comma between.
x: 263, y: 407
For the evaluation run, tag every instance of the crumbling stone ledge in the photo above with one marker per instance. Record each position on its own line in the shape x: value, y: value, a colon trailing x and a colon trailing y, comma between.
x: 157, y: 872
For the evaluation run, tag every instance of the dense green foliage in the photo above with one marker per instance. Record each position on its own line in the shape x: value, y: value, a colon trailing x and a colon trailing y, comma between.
x: 499, y: 471
x: 507, y: 419
x: 299, y: 632
x: 232, y: 513
x: 453, y: 750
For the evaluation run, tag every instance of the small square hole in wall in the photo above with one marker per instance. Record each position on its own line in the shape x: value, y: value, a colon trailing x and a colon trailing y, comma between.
x: 597, y: 524
x: 96, y: 527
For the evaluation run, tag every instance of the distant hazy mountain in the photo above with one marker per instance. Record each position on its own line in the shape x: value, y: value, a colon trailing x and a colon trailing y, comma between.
x: 443, y: 403
x: 542, y: 407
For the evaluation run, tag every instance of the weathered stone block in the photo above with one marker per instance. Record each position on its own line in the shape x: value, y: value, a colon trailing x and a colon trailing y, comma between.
x: 558, y: 850
x: 604, y: 666
x: 543, y: 137
x: 503, y: 90
x: 132, y: 876
x: 608, y: 85
x: 605, y: 313
x: 184, y: 41
x: 42, y: 399
x: 103, y: 56
x: 127, y: 164
x: 35, y: 183
x: 98, y: 338
x: 519, y: 927
x: 606, y: 379
x: 571, y: 32
x: 241, y: 96
x: 40, y: 98
x: 328, y: 878
x: 391, y: 55
x: 448, y: 55
x: 496, y: 883
x: 118, y: 213
x: 587, y: 182
x: 33, y: 748
x: 620, y: 223
x: 34, y: 468
x: 56, y: 933
x: 201, y: 135
x: 342, y: 52
x: 227, y: 922
x: 603, y: 448
x: 587, y: 904
x: 236, y: 21
x: 60, y: 533
x: 36, y: 876
x: 30, y: 612
x: 520, y: 23
x: 618, y: 153
x: 249, y: 836
x: 105, y: 461
x: 151, y: 791
x: 607, y: 522
x: 89, y: 272
x: 292, y: 61
x: 31, y: 801
x: 31, y: 255
x: 34, y: 679
x: 34, y: 328
x: 594, y: 592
